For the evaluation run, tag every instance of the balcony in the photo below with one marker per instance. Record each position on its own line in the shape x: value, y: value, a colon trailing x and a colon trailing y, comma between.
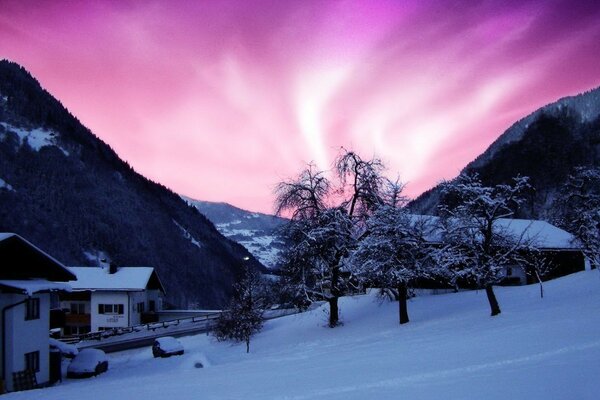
x: 78, y: 319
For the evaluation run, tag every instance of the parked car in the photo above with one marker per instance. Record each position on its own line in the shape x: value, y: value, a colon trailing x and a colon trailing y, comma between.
x: 67, y: 350
x: 89, y: 362
x: 167, y: 346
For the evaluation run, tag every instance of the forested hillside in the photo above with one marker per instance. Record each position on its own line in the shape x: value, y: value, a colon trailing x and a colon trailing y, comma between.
x: 547, y: 146
x: 69, y: 193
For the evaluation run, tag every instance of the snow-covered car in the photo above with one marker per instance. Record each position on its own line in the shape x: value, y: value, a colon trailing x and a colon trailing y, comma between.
x: 167, y: 346
x: 67, y: 350
x: 89, y: 362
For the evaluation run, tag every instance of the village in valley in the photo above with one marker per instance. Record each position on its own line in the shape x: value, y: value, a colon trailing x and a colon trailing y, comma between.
x: 51, y: 312
x: 300, y: 200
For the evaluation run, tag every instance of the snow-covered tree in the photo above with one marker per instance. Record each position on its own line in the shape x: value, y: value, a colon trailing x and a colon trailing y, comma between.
x: 244, y: 317
x: 538, y: 266
x: 325, y: 219
x: 392, y: 253
x: 579, y: 210
x: 314, y: 266
x: 476, y: 248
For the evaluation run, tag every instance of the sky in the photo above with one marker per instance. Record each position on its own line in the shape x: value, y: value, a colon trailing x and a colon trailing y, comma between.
x: 220, y: 100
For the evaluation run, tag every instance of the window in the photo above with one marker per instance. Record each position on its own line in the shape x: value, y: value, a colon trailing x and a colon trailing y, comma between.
x: 152, y: 305
x: 32, y: 309
x: 32, y: 361
x: 77, y: 308
x: 509, y: 271
x: 140, y: 307
x: 111, y: 309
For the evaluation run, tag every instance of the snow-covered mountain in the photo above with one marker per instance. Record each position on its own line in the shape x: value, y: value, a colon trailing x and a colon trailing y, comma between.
x: 546, y: 146
x: 585, y: 106
x: 257, y: 232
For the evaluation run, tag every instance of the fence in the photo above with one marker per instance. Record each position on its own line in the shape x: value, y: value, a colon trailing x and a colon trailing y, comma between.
x: 152, y: 326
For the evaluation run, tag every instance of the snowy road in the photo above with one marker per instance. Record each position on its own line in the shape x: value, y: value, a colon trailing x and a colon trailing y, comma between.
x: 145, y: 336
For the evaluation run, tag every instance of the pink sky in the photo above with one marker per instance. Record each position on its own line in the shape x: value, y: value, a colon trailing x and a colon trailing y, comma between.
x: 219, y: 100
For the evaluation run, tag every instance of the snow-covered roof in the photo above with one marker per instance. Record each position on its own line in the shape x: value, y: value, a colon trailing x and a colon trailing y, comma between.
x: 124, y: 279
x: 21, y: 259
x: 539, y: 233
x: 5, y: 235
x: 30, y: 287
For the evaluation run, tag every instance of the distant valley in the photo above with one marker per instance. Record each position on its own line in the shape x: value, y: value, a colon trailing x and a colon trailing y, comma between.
x: 257, y: 232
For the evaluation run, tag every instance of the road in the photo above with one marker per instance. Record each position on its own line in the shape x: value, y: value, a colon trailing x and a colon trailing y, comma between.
x: 144, y: 335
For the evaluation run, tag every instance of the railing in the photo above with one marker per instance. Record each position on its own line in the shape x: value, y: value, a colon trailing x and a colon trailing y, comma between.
x: 209, y: 319
x: 152, y: 326
x: 78, y: 319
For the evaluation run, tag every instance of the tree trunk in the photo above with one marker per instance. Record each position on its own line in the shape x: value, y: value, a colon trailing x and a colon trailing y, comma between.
x: 402, y: 306
x: 247, y: 345
x: 541, y: 285
x: 489, y: 290
x: 334, y: 318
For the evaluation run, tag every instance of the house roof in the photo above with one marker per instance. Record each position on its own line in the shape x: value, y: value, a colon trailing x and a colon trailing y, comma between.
x: 22, y: 260
x: 32, y: 286
x: 539, y: 233
x: 124, y: 279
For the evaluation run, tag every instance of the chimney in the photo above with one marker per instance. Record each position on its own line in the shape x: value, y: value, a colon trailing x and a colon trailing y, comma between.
x: 112, y: 268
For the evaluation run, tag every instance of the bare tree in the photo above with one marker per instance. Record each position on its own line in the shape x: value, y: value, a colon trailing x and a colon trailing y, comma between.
x: 362, y: 182
x: 538, y: 266
x: 324, y: 225
x: 304, y: 196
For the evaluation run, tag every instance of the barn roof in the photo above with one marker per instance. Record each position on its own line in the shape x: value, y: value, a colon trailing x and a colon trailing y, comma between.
x: 539, y: 233
x: 124, y: 279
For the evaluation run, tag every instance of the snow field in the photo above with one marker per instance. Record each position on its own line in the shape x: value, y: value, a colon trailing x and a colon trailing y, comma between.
x: 35, y: 138
x: 452, y: 349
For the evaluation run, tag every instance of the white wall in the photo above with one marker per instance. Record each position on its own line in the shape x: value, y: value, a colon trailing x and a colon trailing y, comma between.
x: 26, y: 336
x: 135, y: 298
x: 128, y: 299
x: 156, y: 296
x: 587, y: 265
x: 109, y: 320
x: 516, y: 272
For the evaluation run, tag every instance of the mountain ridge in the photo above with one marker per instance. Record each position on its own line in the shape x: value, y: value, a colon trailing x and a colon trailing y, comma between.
x: 546, y: 145
x: 587, y: 104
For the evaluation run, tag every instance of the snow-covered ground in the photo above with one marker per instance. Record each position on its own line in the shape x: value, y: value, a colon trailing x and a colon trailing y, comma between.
x: 536, y: 349
x: 5, y: 185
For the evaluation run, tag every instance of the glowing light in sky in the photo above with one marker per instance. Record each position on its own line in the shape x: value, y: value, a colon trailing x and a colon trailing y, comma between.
x: 219, y: 100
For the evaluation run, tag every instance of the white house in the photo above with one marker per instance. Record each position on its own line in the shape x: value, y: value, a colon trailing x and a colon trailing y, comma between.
x: 111, y: 297
x: 27, y: 276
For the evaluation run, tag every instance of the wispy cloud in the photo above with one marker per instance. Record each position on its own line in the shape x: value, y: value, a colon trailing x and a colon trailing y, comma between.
x: 219, y: 100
